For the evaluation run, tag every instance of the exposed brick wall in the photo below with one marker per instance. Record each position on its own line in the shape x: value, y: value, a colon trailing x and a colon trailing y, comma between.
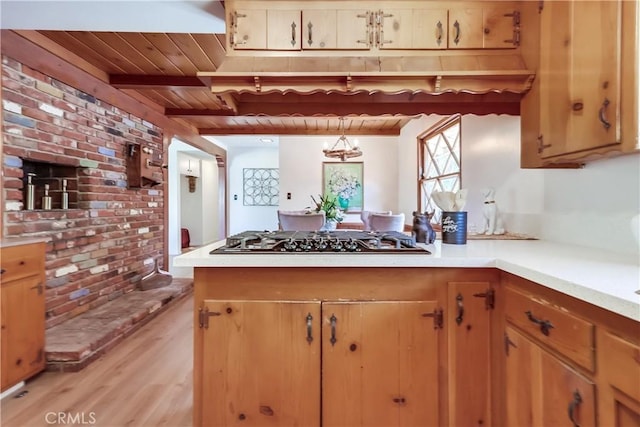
x: 100, y: 250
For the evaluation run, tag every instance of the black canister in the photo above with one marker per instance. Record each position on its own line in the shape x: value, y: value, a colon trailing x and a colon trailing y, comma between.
x: 454, y: 227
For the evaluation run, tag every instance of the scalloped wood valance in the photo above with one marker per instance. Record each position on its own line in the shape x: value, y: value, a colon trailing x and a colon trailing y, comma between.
x: 474, y: 74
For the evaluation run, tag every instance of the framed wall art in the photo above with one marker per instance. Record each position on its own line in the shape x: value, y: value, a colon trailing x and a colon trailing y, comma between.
x: 261, y: 186
x: 345, y: 181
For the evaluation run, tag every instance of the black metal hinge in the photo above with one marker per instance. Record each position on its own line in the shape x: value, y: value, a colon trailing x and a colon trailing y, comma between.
x: 203, y: 317
x: 489, y: 298
x: 508, y: 343
x: 438, y: 318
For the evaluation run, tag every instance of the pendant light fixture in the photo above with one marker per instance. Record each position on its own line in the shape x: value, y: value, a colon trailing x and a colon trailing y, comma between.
x: 342, y: 149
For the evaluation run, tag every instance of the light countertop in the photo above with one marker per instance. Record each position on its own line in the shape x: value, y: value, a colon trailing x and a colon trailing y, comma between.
x: 601, y: 278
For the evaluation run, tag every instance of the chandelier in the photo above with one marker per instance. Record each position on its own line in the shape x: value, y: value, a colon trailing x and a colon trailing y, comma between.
x: 342, y: 149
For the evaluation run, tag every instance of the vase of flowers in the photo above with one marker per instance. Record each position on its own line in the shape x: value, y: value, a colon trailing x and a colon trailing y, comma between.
x: 332, y: 211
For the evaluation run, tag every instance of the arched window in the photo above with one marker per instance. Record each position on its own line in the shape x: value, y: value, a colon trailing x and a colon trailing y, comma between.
x: 438, y: 162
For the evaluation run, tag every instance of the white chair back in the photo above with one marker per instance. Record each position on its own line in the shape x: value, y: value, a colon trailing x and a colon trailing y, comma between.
x: 365, y: 217
x: 394, y: 222
x: 300, y: 220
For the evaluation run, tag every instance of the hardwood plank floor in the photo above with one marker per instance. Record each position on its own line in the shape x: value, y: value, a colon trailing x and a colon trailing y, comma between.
x: 144, y: 381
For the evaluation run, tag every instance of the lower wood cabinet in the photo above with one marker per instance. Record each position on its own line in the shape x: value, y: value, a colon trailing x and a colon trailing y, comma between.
x: 619, y: 392
x: 342, y: 347
x: 543, y: 391
x: 23, y: 312
x: 567, y: 362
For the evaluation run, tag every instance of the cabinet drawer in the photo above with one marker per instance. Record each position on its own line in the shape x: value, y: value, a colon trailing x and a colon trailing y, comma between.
x: 560, y: 330
x: 22, y: 261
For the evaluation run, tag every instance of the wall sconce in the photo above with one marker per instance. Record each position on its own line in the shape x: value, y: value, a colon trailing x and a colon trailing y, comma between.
x: 190, y: 167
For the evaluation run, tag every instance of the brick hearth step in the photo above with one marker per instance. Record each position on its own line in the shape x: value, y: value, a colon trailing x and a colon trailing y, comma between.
x: 74, y: 344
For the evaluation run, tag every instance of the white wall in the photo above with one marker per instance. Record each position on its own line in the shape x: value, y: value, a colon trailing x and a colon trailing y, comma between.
x: 594, y: 206
x: 242, y: 218
x: 490, y: 158
x: 300, y: 159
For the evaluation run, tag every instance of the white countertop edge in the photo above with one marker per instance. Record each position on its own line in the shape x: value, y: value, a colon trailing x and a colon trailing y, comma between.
x: 610, y: 302
x: 600, y: 278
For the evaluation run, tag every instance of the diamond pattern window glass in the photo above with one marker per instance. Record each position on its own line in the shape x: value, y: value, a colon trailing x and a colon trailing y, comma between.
x: 439, y: 165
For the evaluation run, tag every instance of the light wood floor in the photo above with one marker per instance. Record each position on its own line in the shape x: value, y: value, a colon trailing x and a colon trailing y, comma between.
x: 144, y: 381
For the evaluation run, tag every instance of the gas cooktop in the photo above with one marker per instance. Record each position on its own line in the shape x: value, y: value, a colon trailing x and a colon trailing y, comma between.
x: 338, y: 241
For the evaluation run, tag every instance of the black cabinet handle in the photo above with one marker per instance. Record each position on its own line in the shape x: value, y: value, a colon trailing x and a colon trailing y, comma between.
x: 545, y: 325
x: 309, y: 328
x: 602, y: 115
x: 577, y: 400
x: 456, y: 26
x: 333, y: 321
x: 460, y: 309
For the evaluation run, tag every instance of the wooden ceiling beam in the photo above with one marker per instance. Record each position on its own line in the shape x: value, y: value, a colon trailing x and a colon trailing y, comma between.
x: 376, y: 109
x: 189, y: 112
x: 141, y: 82
x: 301, y: 130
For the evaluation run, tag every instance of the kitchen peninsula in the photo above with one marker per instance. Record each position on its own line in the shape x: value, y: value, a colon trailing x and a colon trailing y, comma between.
x: 408, y: 339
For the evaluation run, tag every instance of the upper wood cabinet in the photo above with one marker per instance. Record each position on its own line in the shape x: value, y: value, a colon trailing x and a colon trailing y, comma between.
x: 284, y: 30
x: 484, y: 28
x: 366, y: 26
x: 579, y: 76
x: 411, y: 29
x: 319, y: 29
x: 248, y: 29
x: 584, y: 101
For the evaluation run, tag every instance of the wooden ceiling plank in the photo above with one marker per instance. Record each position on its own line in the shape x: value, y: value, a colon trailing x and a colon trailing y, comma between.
x: 50, y: 45
x: 120, y: 43
x: 213, y: 46
x: 68, y: 41
x: 157, y: 58
x: 193, y: 50
x: 107, y: 51
x: 173, y: 54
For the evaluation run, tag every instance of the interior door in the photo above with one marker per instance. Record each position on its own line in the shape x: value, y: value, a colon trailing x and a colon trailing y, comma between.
x: 379, y: 364
x: 261, y: 363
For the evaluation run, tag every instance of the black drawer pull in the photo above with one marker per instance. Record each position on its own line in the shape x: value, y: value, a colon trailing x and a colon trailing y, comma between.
x: 545, y: 325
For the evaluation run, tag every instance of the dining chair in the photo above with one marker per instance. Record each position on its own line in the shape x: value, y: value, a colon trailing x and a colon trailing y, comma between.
x: 365, y: 217
x: 383, y: 222
x: 301, y: 220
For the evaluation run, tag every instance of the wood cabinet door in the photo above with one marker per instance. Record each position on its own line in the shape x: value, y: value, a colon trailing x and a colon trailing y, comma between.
x: 248, y: 29
x: 498, y: 28
x: 261, y: 363
x: 354, y: 29
x: 379, y: 364
x: 23, y: 311
x: 284, y: 29
x: 579, y: 76
x: 543, y: 391
x: 465, y: 28
x: 469, y: 330
x: 521, y: 381
x: 413, y: 29
x: 567, y: 398
x: 319, y: 29
x: 595, y: 78
x: 619, y: 391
